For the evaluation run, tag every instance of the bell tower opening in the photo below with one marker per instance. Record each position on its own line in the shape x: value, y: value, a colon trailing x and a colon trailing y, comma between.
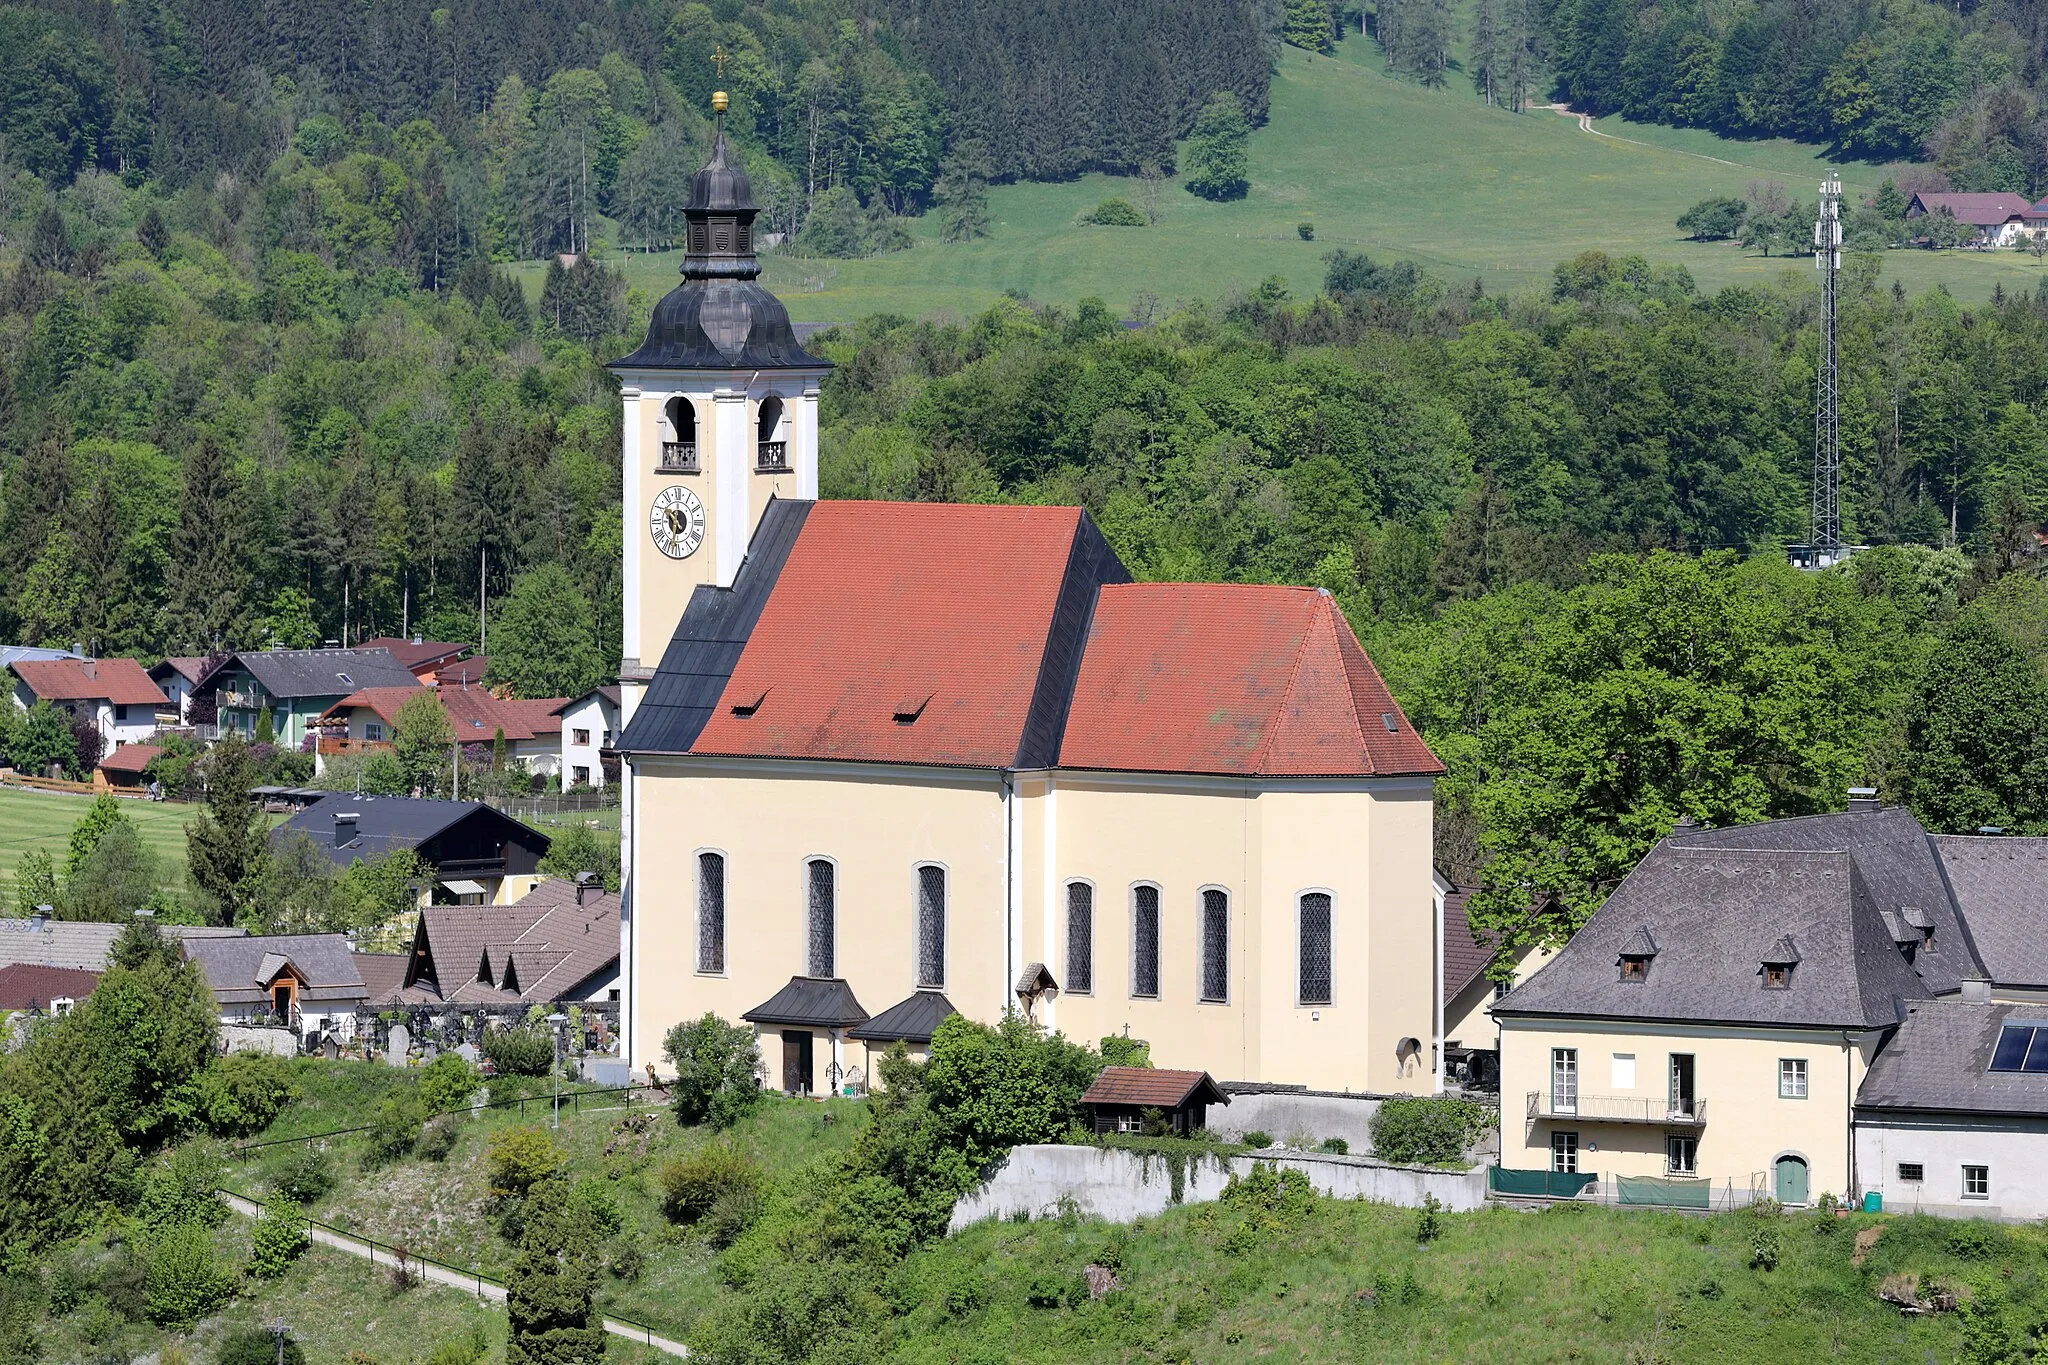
x: 679, y: 437
x: 771, y: 446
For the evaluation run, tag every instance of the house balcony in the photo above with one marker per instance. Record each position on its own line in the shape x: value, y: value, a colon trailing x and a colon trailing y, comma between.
x: 772, y: 457
x: 334, y: 746
x: 678, y: 457
x: 1619, y: 1109
x: 246, y: 700
x: 451, y: 868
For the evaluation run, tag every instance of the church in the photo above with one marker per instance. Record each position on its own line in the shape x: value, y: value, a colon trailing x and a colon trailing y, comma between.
x: 888, y: 761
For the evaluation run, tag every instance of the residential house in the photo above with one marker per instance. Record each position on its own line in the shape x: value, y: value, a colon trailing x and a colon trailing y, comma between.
x: 115, y: 694
x: 1953, y: 1117
x: 362, y: 721
x: 462, y: 673
x: 1124, y: 1099
x: 558, y: 944
x: 295, y: 686
x: 10, y: 655
x: 589, y: 723
x: 479, y: 856
x: 122, y: 770
x: 425, y: 658
x: 29, y: 989
x: 77, y: 945
x: 179, y: 676
x: 367, y: 719
x: 305, y: 982
x: 2000, y: 886
x: 1998, y: 219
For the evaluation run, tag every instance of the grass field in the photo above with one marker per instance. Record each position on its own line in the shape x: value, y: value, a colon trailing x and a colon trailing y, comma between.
x: 1379, y: 165
x: 38, y: 819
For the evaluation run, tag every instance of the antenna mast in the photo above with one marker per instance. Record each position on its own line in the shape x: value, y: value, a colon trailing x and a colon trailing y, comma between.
x: 1825, y: 525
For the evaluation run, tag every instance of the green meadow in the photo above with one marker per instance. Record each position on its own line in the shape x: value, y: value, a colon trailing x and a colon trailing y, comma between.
x: 38, y: 819
x: 1378, y: 165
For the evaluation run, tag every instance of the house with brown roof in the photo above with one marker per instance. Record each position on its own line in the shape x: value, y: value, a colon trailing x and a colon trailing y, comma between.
x: 115, y: 694
x: 1126, y: 1099
x: 179, y: 676
x: 558, y: 944
x: 366, y: 719
x: 425, y: 658
x: 123, y: 769
x: 26, y: 988
x: 589, y: 725
x: 1997, y: 219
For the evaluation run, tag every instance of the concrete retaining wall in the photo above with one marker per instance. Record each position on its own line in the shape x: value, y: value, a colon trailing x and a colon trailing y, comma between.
x: 1297, y: 1118
x: 278, y: 1042
x: 1120, y: 1186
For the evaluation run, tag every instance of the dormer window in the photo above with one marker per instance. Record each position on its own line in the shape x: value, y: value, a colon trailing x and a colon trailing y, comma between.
x: 1778, y: 963
x: 1636, y: 952
x: 1920, y: 922
x: 1777, y: 978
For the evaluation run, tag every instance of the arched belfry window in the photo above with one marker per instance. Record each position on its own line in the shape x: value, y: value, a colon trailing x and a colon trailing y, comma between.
x: 679, y: 437
x: 772, y: 450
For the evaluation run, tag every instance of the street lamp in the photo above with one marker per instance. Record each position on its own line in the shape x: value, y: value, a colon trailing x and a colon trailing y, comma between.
x: 555, y: 1022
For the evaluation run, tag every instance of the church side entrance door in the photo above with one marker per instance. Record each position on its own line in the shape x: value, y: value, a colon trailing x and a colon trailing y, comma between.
x: 796, y: 1061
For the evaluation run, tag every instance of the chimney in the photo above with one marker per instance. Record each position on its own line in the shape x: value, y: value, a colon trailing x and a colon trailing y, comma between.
x: 588, y: 887
x: 1684, y: 823
x: 1976, y: 991
x: 1863, y: 800
x: 40, y: 918
x: 345, y: 827
x: 77, y: 648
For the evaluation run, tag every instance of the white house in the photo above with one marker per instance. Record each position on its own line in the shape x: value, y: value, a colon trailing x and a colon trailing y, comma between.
x: 588, y: 724
x: 305, y: 982
x: 115, y: 693
x: 178, y: 676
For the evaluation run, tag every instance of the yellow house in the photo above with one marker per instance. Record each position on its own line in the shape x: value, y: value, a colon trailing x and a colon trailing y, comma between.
x: 899, y: 753
x: 1716, y: 1016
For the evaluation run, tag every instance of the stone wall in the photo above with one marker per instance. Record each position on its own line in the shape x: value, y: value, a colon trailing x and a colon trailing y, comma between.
x: 1108, y: 1183
x: 278, y: 1042
x: 1298, y: 1118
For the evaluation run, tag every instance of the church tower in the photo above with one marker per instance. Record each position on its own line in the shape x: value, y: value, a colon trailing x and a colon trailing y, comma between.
x: 721, y: 414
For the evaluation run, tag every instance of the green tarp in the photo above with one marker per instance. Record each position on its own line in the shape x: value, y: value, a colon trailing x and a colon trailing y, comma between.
x: 1537, y: 1184
x: 1675, y: 1194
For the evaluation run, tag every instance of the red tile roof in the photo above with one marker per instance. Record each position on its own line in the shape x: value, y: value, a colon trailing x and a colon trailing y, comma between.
x: 473, y: 714
x: 121, y: 681
x: 1152, y: 1087
x: 129, y: 758
x: 384, y: 701
x: 417, y: 655
x: 1465, y: 956
x: 1978, y: 210
x: 884, y: 609
x: 25, y: 985
x: 1233, y: 679
x: 463, y: 672
x: 191, y: 667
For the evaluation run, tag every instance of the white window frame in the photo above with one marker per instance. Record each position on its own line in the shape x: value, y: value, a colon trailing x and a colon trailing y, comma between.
x: 1673, y: 1145
x: 373, y: 732
x: 1564, y: 1061
x: 1564, y: 1151
x: 1067, y: 932
x: 1158, y: 991
x: 1793, y: 1078
x: 724, y: 909
x: 1202, y: 995
x: 1976, y: 1174
x: 1301, y: 1001
x: 917, y: 923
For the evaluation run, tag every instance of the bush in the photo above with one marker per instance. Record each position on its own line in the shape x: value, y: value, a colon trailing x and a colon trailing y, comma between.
x: 395, y: 1129
x: 1430, y: 1225
x: 520, y: 1051
x: 1763, y: 1246
x: 598, y: 1202
x: 306, y: 1177
x: 521, y: 1158
x: 1306, y: 231
x: 1258, y: 1137
x: 185, y: 1280
x: 463, y: 1350
x: 447, y: 1082
x: 1975, y: 1241
x: 1055, y: 1291
x: 437, y: 1139
x: 1428, y: 1131
x: 693, y: 1186
x: 279, y: 1238
x: 1336, y: 1146
x: 1114, y: 213
x: 717, y: 1071
x: 242, y: 1092
x: 254, y: 1346
x: 1118, y: 1050
x: 180, y: 1189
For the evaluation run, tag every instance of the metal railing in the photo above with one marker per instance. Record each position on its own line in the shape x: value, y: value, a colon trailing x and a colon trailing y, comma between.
x: 1618, y: 1109
x: 678, y: 457
x: 772, y: 457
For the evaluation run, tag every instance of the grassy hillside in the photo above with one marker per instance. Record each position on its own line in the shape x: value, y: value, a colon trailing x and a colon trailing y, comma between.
x: 37, y: 819
x: 1378, y: 165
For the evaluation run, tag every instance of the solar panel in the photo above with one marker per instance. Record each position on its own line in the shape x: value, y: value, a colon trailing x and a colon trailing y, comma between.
x: 2037, y: 1055
x: 2011, y: 1052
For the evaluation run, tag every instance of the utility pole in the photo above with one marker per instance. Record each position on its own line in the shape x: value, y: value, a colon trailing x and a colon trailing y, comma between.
x: 1825, y: 524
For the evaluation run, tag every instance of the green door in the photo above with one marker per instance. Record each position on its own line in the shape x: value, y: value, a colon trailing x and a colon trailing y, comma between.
x: 1791, y: 1180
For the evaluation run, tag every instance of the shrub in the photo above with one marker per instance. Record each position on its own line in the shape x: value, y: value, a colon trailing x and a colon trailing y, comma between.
x: 1114, y: 213
x: 242, y: 1092
x: 254, y: 1346
x: 693, y: 1186
x: 1118, y: 1050
x: 521, y: 1158
x: 598, y: 1202
x: 1974, y: 1241
x: 1428, y: 1131
x: 1430, y: 1225
x: 279, y: 1238
x: 463, y: 1350
x: 1336, y: 1146
x: 717, y: 1071
x: 1763, y: 1246
x: 1306, y: 231
x: 180, y: 1189
x: 185, y: 1280
x: 306, y: 1177
x: 1054, y: 1291
x: 395, y: 1128
x: 437, y: 1139
x: 447, y: 1082
x: 520, y: 1051
x: 1258, y: 1137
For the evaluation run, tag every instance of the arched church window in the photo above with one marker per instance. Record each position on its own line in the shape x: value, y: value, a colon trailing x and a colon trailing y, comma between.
x: 931, y: 927
x: 1145, y: 942
x: 1215, y: 946
x: 679, y: 437
x: 823, y: 895
x: 1080, y: 938
x: 1314, y: 986
x: 772, y: 450
x: 710, y: 912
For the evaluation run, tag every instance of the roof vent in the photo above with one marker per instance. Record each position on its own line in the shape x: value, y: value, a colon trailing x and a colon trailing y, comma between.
x: 1976, y: 991
x: 910, y: 708
x: 345, y: 827
x: 748, y: 706
x: 1387, y: 719
x: 1863, y: 800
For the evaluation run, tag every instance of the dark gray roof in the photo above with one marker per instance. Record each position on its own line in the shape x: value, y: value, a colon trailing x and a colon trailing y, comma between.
x: 292, y: 673
x: 2002, y: 886
x: 1895, y: 860
x: 1638, y: 944
x: 1937, y: 1062
x: 240, y: 970
x: 710, y: 638
x: 1710, y: 910
x: 79, y: 944
x: 1783, y: 953
x: 911, y: 1021
x: 810, y: 1002
x: 384, y: 823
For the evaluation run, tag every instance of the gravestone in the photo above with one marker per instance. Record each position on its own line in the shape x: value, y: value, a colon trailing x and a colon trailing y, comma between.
x: 397, y: 1045
x: 468, y: 1053
x: 331, y: 1048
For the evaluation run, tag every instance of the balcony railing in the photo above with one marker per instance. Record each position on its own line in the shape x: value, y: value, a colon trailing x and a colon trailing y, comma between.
x: 335, y: 745
x: 244, y: 700
x: 772, y: 457
x: 1619, y: 1109
x: 678, y: 457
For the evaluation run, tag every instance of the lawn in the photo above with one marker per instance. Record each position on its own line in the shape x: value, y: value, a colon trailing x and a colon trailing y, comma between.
x: 1379, y: 165
x: 37, y: 819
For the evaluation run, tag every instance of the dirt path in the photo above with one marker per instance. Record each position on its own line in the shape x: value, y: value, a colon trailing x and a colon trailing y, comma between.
x: 1586, y: 126
x: 436, y: 1273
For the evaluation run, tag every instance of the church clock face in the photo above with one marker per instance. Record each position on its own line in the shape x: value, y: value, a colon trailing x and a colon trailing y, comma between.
x: 677, y: 522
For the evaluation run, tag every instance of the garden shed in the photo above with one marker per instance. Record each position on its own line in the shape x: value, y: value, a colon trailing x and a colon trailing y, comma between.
x: 1118, y: 1100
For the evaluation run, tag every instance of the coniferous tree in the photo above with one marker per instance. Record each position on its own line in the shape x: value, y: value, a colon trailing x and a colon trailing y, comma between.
x: 152, y: 235
x: 1485, y: 49
x: 210, y: 553
x: 224, y: 843
x: 961, y: 194
x: 1307, y: 25
x: 550, y: 1294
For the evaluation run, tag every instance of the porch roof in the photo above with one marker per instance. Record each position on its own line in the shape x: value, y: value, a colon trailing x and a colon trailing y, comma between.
x: 810, y: 1002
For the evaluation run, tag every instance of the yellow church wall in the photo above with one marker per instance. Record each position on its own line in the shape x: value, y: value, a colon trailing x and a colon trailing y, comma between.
x: 1747, y: 1125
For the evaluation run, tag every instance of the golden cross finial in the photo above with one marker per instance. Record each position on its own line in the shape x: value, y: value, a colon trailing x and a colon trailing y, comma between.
x: 718, y: 60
